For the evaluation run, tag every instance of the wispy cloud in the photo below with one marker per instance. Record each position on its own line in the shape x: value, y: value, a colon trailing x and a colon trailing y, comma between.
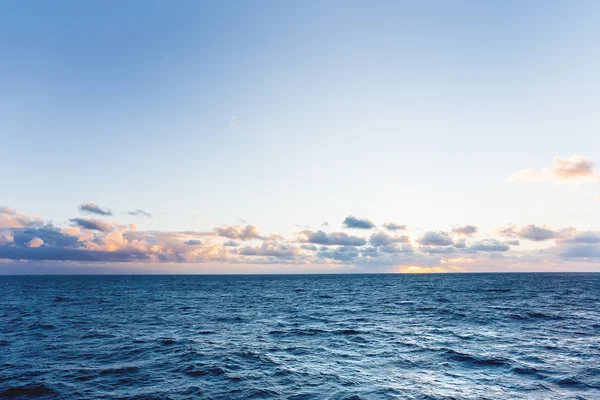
x: 139, y: 213
x: 93, y: 208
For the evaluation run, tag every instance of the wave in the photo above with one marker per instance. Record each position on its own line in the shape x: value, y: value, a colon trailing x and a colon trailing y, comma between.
x: 474, y: 360
x: 28, y: 391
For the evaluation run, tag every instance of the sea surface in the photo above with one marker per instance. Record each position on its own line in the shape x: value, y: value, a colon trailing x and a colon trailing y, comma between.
x: 463, y: 336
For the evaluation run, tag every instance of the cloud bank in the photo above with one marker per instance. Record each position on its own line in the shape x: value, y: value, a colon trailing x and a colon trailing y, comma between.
x: 29, y: 241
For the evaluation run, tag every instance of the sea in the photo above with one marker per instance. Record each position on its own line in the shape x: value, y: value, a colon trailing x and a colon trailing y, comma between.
x: 437, y: 336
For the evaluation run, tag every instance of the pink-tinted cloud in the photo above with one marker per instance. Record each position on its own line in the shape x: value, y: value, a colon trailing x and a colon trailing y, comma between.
x: 575, y: 167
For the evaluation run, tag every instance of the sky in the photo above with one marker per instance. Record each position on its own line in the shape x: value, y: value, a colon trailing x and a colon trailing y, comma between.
x: 299, y: 137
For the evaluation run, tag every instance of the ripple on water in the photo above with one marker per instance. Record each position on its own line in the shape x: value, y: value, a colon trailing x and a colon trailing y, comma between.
x: 301, y: 337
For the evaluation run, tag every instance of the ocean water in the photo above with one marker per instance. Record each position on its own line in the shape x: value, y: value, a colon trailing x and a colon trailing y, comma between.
x: 471, y: 336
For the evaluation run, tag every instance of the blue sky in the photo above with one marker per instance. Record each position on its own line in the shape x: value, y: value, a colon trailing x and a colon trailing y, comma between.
x: 284, y: 115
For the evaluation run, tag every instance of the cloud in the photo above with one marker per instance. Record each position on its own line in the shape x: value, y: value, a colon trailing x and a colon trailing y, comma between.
x: 356, y: 223
x: 509, y: 230
x: 334, y: 238
x: 93, y: 224
x: 581, y: 251
x: 241, y: 233
x: 62, y: 254
x: 10, y: 218
x: 575, y: 167
x: 380, y: 238
x: 404, y: 248
x: 270, y: 249
x: 93, y: 208
x: 390, y: 226
x: 31, y: 241
x: 435, y: 238
x: 139, y: 213
x: 35, y: 242
x: 584, y: 237
x: 488, y: 245
x: 537, y: 233
x: 344, y: 253
x: 50, y: 235
x: 466, y: 230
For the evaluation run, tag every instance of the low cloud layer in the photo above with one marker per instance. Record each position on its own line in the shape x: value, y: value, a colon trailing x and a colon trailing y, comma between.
x: 81, y: 241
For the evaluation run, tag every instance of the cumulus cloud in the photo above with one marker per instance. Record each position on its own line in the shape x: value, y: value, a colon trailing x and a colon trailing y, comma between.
x: 380, y: 238
x: 93, y: 208
x: 35, y: 242
x: 390, y: 226
x: 581, y: 251
x: 435, y: 238
x: 537, y: 233
x: 357, y: 223
x: 333, y: 238
x: 240, y: 233
x: 193, y: 242
x: 10, y: 218
x: 575, y: 167
x: 584, y: 237
x: 139, y: 213
x: 465, y: 230
x: 92, y: 224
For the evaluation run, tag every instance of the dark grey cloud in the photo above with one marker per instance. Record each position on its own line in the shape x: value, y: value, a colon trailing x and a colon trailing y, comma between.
x: 49, y: 234
x: 333, y: 238
x: 92, y: 224
x: 93, y: 208
x: 537, y: 233
x: 357, y: 223
x: 193, y: 242
x: 139, y: 213
x: 231, y: 243
x: 435, y: 238
x: 390, y: 226
x: 404, y: 248
x: 309, y: 247
x: 383, y: 239
x: 466, y: 230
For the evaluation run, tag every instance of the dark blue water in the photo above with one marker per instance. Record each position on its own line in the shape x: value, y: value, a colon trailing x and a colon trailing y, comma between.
x: 488, y: 336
